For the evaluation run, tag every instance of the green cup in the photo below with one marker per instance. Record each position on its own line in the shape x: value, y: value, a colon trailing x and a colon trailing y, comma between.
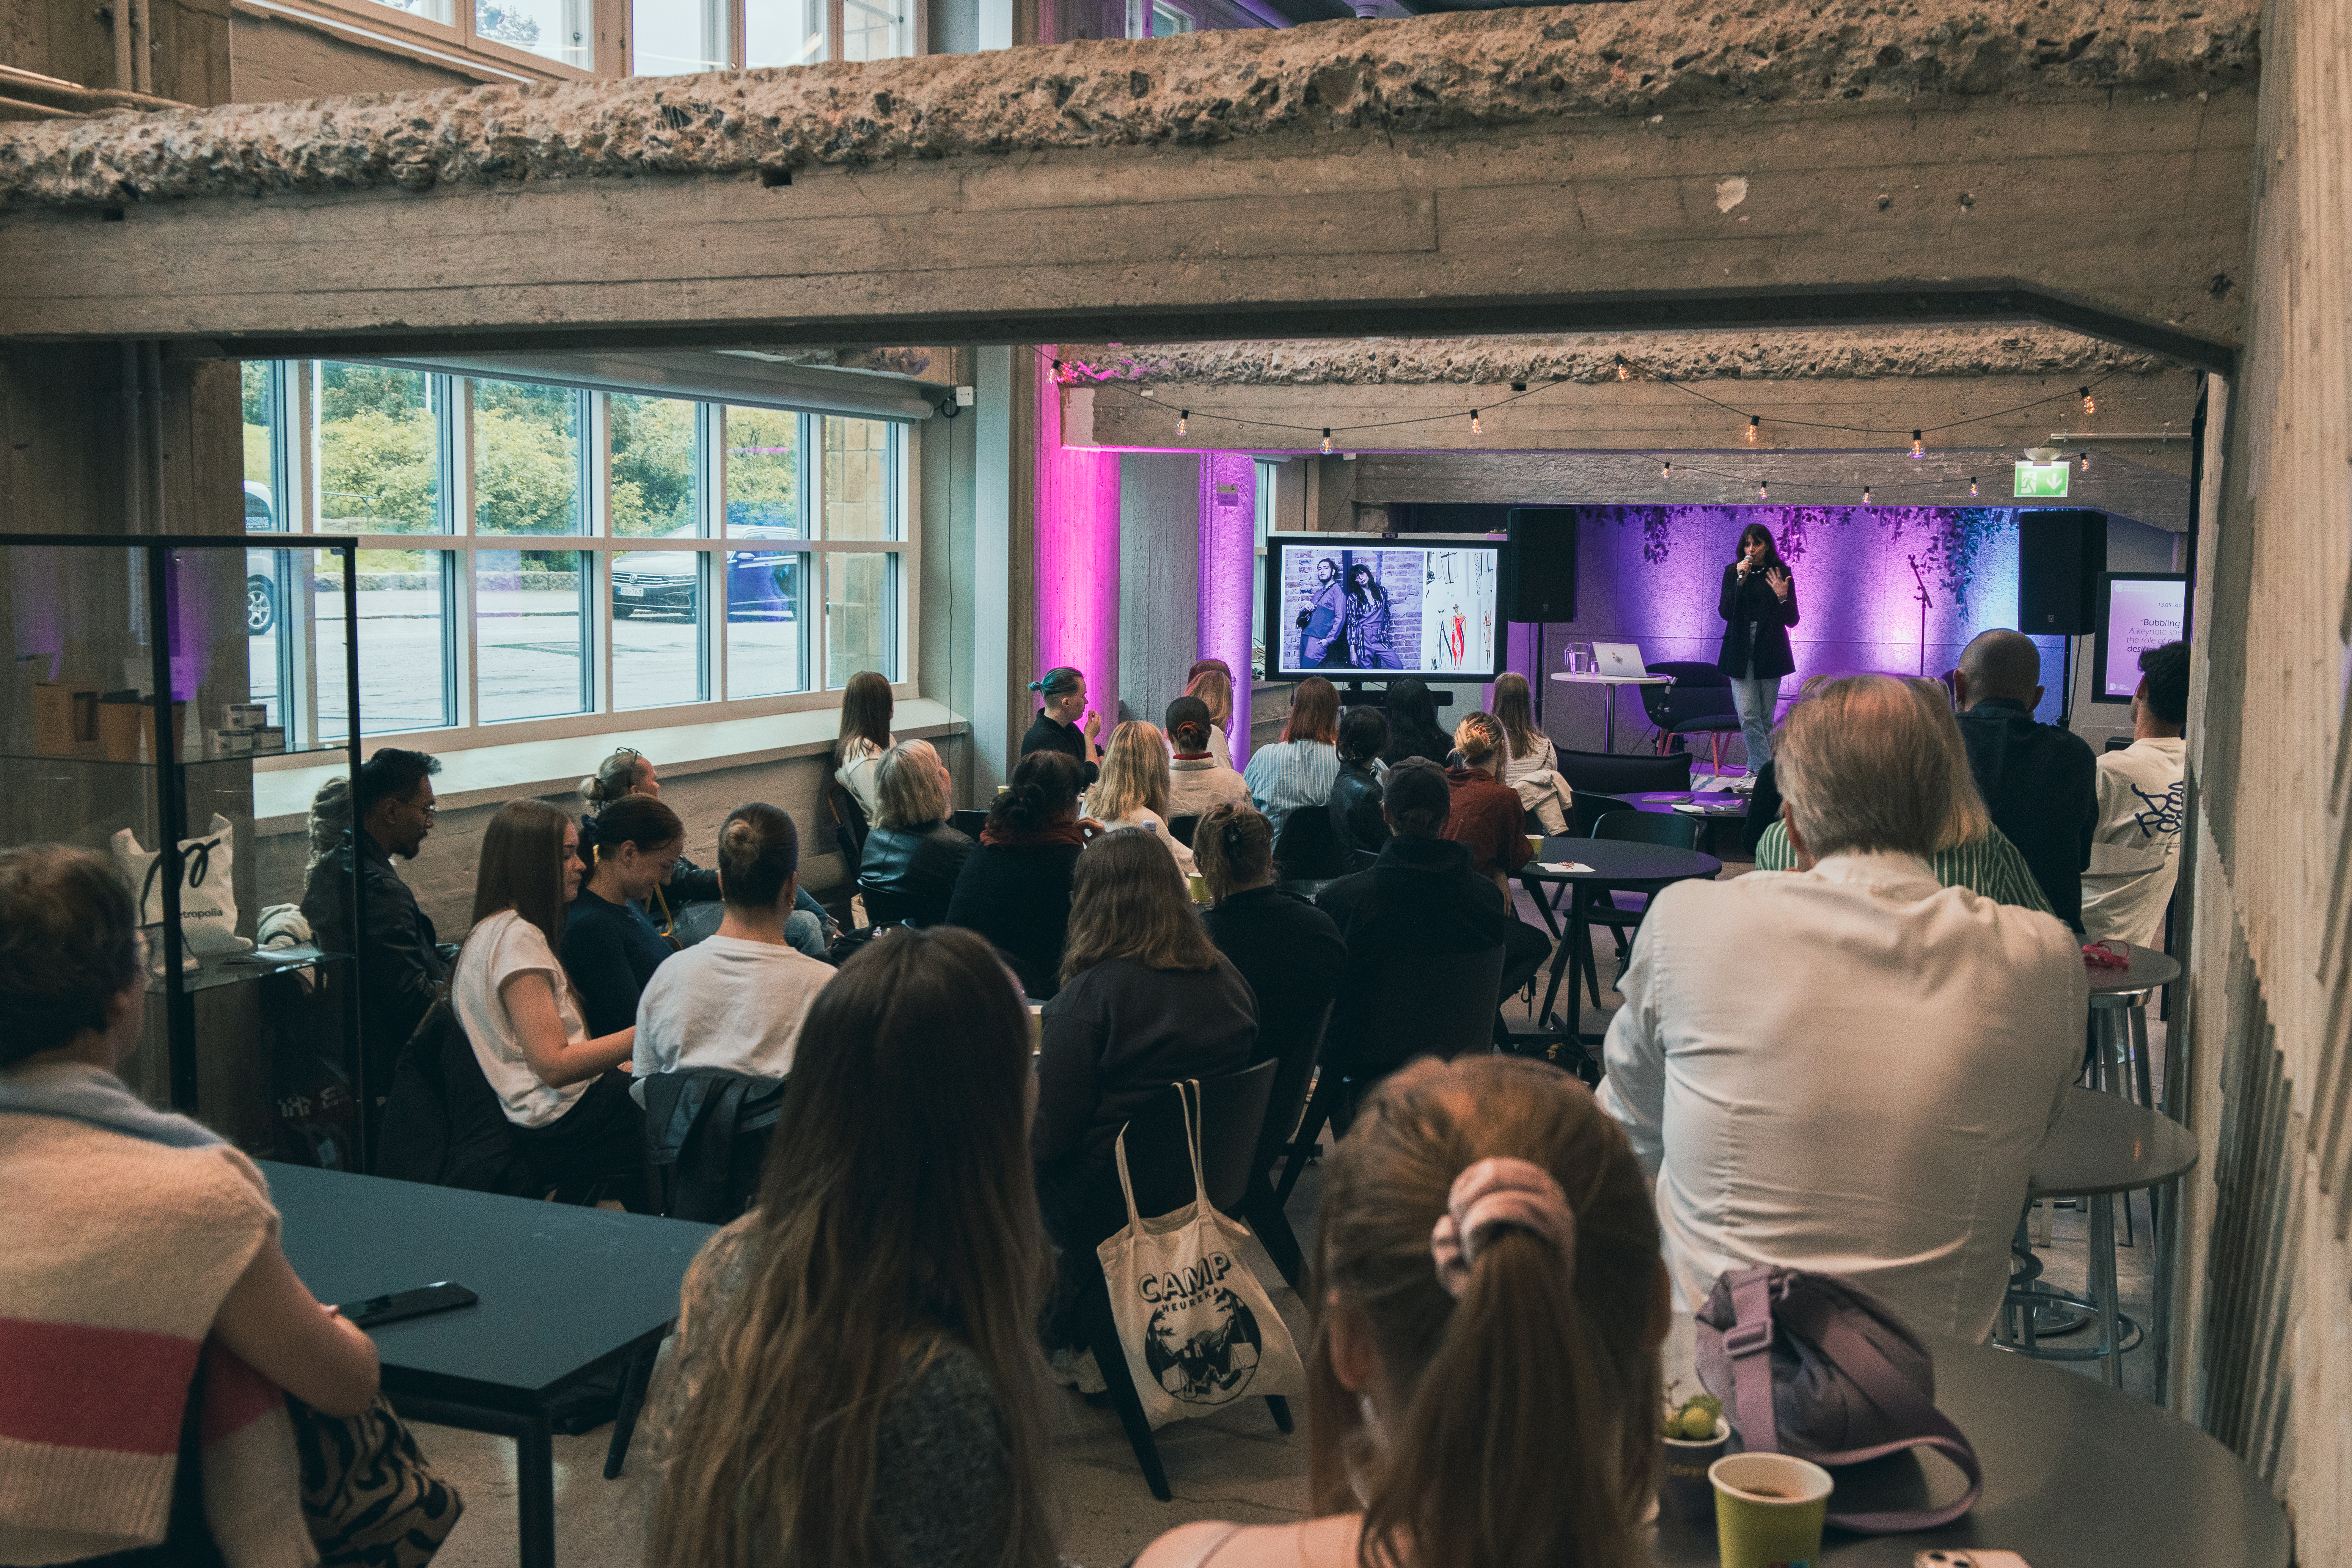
x: 1535, y: 843
x: 1768, y: 1510
x: 1199, y: 887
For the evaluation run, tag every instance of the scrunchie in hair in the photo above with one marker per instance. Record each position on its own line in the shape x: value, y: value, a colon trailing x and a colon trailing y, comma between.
x: 1502, y: 1193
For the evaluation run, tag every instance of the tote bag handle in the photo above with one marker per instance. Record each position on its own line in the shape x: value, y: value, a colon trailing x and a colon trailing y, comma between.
x: 1187, y: 1090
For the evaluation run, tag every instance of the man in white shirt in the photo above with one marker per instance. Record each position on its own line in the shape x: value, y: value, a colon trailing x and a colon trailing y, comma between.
x: 2136, y: 851
x: 1846, y: 1068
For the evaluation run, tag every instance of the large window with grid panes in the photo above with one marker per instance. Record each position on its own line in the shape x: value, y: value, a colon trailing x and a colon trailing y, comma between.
x: 535, y: 560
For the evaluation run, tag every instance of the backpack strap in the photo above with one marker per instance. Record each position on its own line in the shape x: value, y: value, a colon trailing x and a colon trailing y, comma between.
x: 1858, y: 1356
x: 1748, y: 1344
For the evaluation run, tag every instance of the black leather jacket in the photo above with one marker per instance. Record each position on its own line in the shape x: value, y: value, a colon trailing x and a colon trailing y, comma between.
x: 913, y: 869
x: 400, y: 961
x: 1356, y: 810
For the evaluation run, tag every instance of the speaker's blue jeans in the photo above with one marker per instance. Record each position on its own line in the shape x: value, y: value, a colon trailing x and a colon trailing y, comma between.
x: 1756, y: 700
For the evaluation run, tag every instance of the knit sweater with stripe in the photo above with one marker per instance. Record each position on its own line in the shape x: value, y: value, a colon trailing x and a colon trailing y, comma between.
x: 123, y: 1232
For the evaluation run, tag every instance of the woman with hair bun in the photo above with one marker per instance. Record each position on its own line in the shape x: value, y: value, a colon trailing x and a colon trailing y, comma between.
x: 736, y: 1000
x: 1056, y: 728
x: 1483, y: 1376
x: 1014, y: 888
x: 1211, y: 683
x: 1290, y: 951
x: 610, y: 949
x: 1487, y: 815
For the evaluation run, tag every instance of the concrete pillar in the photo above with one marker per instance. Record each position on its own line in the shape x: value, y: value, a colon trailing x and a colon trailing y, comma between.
x: 1075, y: 590
x: 1160, y: 521
x: 1228, y: 558
x: 999, y: 483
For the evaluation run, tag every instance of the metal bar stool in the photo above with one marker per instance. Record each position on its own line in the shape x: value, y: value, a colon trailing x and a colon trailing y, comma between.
x: 2118, y: 1047
x: 2099, y: 1146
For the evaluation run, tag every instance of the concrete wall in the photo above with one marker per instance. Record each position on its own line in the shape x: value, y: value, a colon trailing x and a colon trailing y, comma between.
x: 187, y: 60
x: 273, y: 59
x: 2265, y: 1308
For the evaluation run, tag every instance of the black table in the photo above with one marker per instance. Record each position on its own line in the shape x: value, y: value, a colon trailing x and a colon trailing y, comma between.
x: 2077, y: 1475
x: 1723, y: 808
x: 565, y: 1292
x: 1616, y: 864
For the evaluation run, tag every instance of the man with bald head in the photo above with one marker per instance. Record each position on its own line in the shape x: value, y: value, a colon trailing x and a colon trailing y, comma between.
x: 2039, y: 783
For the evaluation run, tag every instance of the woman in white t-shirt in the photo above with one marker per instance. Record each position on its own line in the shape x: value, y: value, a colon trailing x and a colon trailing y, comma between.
x: 572, y: 1116
x: 1530, y: 765
x: 736, y: 1001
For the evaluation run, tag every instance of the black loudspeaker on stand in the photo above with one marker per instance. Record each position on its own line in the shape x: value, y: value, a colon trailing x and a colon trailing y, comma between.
x: 2060, y: 556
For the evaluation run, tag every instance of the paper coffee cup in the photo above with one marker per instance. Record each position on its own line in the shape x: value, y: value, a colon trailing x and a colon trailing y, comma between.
x: 1200, y: 888
x: 1768, y: 1510
x: 1535, y: 843
x: 1683, y: 1484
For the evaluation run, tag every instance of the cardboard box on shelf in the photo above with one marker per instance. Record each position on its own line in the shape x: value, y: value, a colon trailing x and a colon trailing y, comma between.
x: 65, y: 719
x: 245, y: 716
x: 237, y: 742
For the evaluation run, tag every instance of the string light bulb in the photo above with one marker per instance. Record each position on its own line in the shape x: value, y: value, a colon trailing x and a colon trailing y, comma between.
x: 1183, y: 420
x: 1865, y: 495
x: 2090, y: 403
x: 1625, y: 371
x: 1476, y: 427
x: 1327, y: 441
x: 1972, y: 484
x: 1919, y: 443
x: 2085, y: 465
x: 1666, y: 471
x: 1754, y: 428
x: 1763, y: 490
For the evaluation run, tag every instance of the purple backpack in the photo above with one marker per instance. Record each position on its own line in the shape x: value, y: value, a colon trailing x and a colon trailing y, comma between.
x: 1816, y: 1367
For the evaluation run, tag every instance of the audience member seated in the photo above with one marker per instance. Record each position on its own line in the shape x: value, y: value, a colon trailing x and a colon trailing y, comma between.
x: 573, y: 1118
x: 402, y: 967
x: 1973, y: 852
x: 687, y: 907
x: 1422, y: 903
x: 1530, y: 765
x: 913, y: 857
x: 865, y: 713
x: 136, y: 1243
x: 1483, y: 1365
x: 2135, y: 858
x: 1413, y: 724
x: 1198, y: 778
x: 855, y: 1376
x: 1355, y: 804
x: 1133, y: 790
x: 736, y: 1000
x: 1297, y: 770
x: 1211, y: 681
x: 1056, y: 727
x: 2039, y: 782
x: 1014, y: 888
x: 1486, y: 816
x: 1146, y: 999
x: 1289, y: 951
x: 1847, y: 1068
x: 610, y: 949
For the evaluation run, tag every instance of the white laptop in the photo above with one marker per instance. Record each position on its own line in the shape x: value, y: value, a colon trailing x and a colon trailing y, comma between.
x: 1624, y: 658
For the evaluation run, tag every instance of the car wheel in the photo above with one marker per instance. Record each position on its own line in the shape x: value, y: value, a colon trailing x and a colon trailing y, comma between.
x: 260, y: 606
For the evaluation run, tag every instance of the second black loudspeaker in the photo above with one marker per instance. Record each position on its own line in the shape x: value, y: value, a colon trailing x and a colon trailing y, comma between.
x: 1539, y: 564
x: 2060, y: 555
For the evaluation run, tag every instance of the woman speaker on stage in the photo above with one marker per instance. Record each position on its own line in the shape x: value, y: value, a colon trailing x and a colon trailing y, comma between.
x: 1759, y: 606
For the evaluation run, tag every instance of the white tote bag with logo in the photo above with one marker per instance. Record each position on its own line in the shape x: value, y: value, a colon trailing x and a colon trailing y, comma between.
x: 1197, y: 1328
x: 208, y: 900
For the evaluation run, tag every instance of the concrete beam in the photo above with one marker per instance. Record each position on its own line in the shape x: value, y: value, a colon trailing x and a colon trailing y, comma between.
x: 1470, y: 174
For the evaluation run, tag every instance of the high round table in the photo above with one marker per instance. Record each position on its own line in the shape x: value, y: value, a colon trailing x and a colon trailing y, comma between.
x: 2119, y: 1022
x: 1616, y: 864
x: 1609, y: 714
x: 2077, y: 1475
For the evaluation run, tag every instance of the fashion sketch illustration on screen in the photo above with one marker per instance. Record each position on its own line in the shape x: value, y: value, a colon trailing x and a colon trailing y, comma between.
x: 1354, y: 609
x: 1457, y: 616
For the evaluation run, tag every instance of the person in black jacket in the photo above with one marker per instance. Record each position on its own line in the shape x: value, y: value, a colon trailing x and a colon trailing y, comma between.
x: 1146, y: 999
x: 2039, y: 783
x: 401, y: 964
x: 1056, y: 727
x: 1420, y: 903
x: 1413, y: 724
x: 912, y: 856
x: 1355, y: 805
x: 1014, y: 888
x: 1758, y: 605
x: 610, y: 949
x: 1289, y: 951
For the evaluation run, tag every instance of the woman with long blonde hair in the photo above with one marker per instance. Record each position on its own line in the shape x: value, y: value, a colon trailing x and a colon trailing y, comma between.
x: 1133, y: 789
x: 1530, y: 765
x: 1488, y: 1306
x: 856, y: 1380
x: 1212, y: 683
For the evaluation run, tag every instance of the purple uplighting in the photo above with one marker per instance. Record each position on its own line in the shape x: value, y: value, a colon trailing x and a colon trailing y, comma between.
x: 1077, y: 554
x: 1228, y: 563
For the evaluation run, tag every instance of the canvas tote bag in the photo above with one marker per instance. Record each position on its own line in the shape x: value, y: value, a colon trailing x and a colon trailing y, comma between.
x: 207, y: 899
x: 1196, y: 1327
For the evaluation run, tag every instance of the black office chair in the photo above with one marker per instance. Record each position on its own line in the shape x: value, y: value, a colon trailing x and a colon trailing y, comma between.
x: 1698, y: 702
x: 1603, y: 772
x: 1623, y: 912
x: 1306, y: 852
x: 882, y: 907
x: 1182, y: 828
x: 1294, y: 1076
x: 968, y: 822
x: 1440, y: 1007
x: 849, y: 824
x: 1160, y: 1164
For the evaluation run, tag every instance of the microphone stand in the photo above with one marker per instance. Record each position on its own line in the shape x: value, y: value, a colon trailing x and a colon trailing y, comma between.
x: 1925, y: 603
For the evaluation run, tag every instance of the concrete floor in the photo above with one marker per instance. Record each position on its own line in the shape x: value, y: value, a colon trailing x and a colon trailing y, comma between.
x: 1235, y: 1465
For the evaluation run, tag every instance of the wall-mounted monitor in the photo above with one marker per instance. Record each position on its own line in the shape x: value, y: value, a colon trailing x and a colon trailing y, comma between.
x: 2137, y: 611
x: 1370, y: 606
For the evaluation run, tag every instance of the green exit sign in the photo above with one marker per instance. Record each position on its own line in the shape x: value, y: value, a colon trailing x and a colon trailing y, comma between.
x: 2041, y: 480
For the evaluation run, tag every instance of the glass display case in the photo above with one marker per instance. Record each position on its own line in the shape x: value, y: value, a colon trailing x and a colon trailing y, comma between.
x: 181, y: 704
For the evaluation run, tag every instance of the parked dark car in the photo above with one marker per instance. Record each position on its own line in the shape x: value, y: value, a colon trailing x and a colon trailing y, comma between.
x: 762, y: 584
x: 260, y: 587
